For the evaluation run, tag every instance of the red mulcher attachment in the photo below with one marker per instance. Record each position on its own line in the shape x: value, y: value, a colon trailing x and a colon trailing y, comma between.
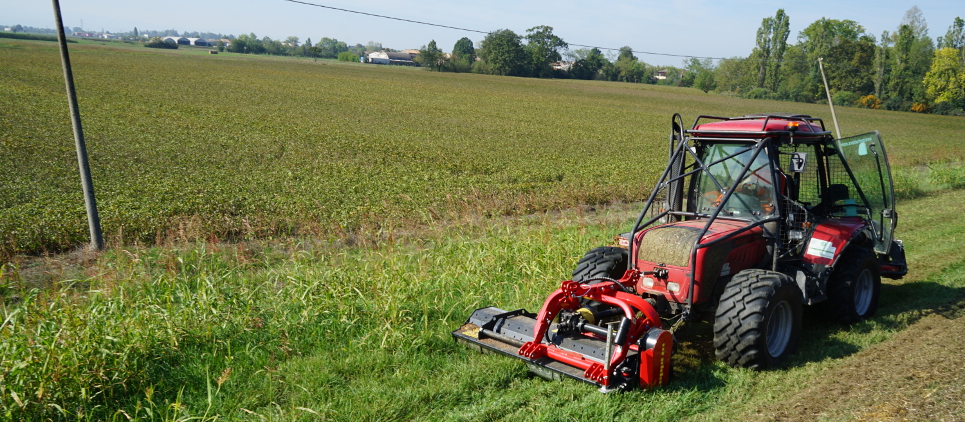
x: 567, y: 339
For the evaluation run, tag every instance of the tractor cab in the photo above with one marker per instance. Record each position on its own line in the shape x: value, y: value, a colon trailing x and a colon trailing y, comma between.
x: 774, y: 192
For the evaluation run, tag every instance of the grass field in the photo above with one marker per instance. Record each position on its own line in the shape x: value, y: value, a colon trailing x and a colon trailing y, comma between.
x: 186, y: 145
x: 436, y: 186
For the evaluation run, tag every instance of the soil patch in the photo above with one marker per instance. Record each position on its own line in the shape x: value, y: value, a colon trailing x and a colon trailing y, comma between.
x: 918, y: 375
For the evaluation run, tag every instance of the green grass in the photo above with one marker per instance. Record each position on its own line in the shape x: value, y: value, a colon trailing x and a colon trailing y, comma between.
x: 294, y: 331
x: 187, y: 145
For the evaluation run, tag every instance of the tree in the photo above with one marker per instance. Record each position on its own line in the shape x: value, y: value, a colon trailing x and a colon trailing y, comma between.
x: 817, y: 41
x: 463, y: 57
x: 736, y: 75
x: 17, y: 28
x: 780, y: 30
x: 704, y: 80
x: 955, y: 38
x: 430, y: 56
x: 900, y: 85
x: 853, y: 69
x: 503, y: 53
x: 881, y: 64
x: 135, y: 32
x: 464, y: 48
x: 589, y: 66
x: 945, y: 81
x: 626, y: 53
x: 292, y: 41
x: 272, y: 47
x: 919, y: 54
x: 915, y: 20
x: 543, y: 50
x: 762, y: 50
x: 220, y: 46
x: 700, y: 74
x: 627, y: 68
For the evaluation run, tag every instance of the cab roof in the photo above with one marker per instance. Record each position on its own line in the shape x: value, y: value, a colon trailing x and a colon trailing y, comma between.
x: 803, y: 126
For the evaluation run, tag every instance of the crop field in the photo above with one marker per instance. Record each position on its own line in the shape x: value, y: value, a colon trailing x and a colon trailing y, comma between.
x: 188, y: 146
x: 295, y: 240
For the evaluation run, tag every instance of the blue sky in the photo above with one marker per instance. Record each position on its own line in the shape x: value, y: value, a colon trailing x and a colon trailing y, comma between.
x: 686, y: 27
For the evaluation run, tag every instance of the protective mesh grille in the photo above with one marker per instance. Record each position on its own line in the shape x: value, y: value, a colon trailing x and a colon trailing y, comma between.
x: 807, y: 184
x: 798, y: 219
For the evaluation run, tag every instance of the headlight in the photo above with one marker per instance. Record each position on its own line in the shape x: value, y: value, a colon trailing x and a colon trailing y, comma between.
x: 647, y: 283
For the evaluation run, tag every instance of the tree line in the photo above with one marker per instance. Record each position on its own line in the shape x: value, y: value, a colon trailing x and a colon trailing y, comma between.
x: 326, y: 48
x: 902, y: 70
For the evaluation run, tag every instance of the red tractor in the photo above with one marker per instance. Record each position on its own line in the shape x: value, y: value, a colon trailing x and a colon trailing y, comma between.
x: 753, y: 218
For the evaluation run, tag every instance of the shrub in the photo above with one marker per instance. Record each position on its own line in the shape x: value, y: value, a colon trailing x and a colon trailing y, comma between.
x: 907, y: 183
x: 896, y: 104
x: 758, y: 94
x: 157, y: 42
x: 345, y: 56
x: 948, y: 175
x: 869, y: 101
x: 948, y: 108
x: 845, y: 98
x: 31, y: 37
x: 919, y: 107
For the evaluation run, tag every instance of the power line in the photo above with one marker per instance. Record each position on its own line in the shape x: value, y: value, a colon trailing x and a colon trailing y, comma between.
x: 488, y: 32
x: 575, y: 45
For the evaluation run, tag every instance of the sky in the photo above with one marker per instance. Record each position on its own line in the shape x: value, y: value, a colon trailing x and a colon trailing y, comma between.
x: 721, y: 28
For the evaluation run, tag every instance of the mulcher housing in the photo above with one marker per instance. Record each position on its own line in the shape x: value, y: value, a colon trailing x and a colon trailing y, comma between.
x: 752, y: 218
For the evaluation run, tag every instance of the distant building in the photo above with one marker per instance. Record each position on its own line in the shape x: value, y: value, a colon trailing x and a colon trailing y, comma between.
x: 661, y: 74
x: 377, y: 57
x: 198, y: 41
x: 402, y: 58
x: 565, y: 66
x: 178, y: 40
x: 383, y: 57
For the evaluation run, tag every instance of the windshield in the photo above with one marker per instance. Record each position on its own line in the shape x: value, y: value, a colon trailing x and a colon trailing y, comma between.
x: 754, y: 195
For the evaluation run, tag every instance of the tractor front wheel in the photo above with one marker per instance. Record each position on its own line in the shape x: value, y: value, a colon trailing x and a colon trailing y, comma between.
x: 758, y: 321
x: 600, y: 264
x: 854, y: 286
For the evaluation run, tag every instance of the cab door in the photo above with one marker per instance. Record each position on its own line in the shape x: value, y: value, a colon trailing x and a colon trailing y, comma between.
x: 866, y: 163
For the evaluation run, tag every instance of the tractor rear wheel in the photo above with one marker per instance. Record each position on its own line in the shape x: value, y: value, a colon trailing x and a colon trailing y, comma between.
x: 758, y: 321
x: 600, y: 264
x: 854, y: 286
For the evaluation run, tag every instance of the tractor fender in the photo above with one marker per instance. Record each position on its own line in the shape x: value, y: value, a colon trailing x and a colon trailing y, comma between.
x: 829, y: 240
x: 828, y: 243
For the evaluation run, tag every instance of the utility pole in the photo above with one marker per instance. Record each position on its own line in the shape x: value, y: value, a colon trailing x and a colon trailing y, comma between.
x: 93, y: 220
x: 828, y: 91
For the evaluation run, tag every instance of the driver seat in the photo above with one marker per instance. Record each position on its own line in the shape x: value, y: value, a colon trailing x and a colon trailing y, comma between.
x: 836, y: 192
